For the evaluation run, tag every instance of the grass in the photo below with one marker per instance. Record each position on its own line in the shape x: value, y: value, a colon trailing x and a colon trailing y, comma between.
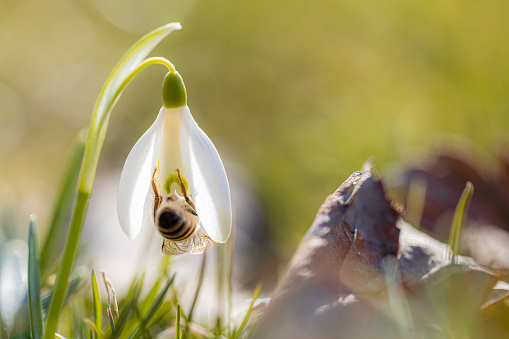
x: 34, y: 289
x: 457, y: 220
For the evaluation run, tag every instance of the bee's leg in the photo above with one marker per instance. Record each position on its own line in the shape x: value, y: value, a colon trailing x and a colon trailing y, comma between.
x: 157, y: 197
x: 183, y: 188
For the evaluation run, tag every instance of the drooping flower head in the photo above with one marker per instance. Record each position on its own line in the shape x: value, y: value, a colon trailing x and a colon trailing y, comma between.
x: 186, y: 171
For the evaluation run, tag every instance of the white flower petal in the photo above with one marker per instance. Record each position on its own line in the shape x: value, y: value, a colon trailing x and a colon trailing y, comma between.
x: 136, y: 178
x: 207, y: 178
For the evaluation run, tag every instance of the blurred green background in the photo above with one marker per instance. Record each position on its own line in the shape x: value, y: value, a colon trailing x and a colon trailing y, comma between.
x: 297, y: 94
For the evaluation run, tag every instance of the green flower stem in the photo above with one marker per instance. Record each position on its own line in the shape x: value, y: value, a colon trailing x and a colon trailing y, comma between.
x: 127, y: 68
x: 66, y: 264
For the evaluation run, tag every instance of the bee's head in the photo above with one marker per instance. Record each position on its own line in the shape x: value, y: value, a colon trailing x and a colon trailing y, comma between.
x: 174, y: 197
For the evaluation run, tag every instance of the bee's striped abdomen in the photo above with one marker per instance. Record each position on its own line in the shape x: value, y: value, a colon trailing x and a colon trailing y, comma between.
x: 174, y: 225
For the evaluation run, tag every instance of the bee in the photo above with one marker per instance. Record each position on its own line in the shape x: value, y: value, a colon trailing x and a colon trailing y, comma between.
x: 178, y: 223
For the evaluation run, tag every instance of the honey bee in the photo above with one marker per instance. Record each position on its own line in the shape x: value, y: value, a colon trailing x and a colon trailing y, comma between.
x: 177, y: 221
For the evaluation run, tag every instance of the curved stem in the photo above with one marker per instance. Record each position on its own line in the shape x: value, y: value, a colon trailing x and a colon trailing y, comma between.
x: 96, y: 135
x: 145, y: 63
x: 99, y: 123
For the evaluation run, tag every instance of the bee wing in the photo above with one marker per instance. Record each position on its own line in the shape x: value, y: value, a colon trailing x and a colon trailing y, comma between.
x: 173, y: 248
x: 195, y: 244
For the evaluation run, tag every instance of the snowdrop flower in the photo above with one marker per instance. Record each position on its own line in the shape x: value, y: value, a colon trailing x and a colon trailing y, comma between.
x: 177, y: 161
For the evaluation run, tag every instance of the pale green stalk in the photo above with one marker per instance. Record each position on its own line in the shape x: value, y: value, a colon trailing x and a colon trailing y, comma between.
x: 398, y: 302
x: 177, y: 323
x: 416, y: 199
x: 222, y: 281
x: 130, y: 65
x: 34, y: 286
x: 196, y: 295
x: 98, y: 314
x: 457, y: 220
x: 231, y: 249
x: 248, y: 313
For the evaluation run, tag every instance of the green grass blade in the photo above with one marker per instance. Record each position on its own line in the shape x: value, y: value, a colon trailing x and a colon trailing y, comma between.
x: 229, y: 281
x: 34, y: 286
x: 98, y: 313
x: 152, y: 311
x: 177, y: 323
x: 77, y: 279
x: 93, y: 327
x: 249, y: 310
x: 176, y: 303
x: 123, y: 318
x: 54, y: 242
x: 123, y: 72
x: 151, y: 296
x: 126, y: 307
x: 457, y: 220
x: 133, y: 295
x: 196, y: 294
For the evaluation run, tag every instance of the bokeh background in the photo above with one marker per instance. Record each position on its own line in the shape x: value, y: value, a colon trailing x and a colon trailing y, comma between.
x: 296, y: 95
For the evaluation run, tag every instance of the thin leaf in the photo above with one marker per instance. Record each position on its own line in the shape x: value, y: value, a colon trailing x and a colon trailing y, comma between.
x: 229, y: 281
x: 54, y: 243
x: 93, y: 327
x: 122, y: 320
x: 34, y: 286
x: 152, y: 311
x: 163, y: 315
x: 78, y: 312
x: 196, y: 295
x: 77, y: 279
x: 457, y: 220
x: 130, y: 304
x: 177, y: 323
x: 151, y: 296
x: 127, y: 67
x: 98, y: 313
x: 176, y: 303
x: 249, y: 310
x: 118, y: 79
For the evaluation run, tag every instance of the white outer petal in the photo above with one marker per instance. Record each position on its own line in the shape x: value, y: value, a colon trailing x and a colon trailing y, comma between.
x: 136, y: 178
x: 207, y: 178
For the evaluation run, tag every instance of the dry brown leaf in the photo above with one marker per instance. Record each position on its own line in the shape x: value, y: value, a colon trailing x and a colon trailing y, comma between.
x: 335, y: 285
